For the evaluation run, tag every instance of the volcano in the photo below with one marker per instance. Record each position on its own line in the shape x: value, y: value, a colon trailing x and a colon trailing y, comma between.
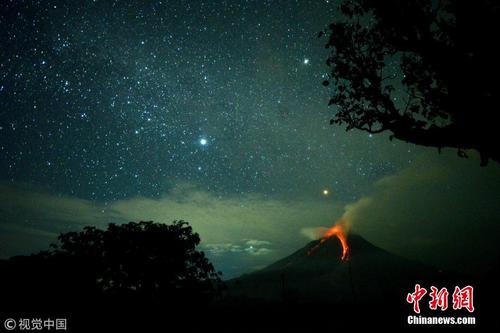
x: 370, y: 273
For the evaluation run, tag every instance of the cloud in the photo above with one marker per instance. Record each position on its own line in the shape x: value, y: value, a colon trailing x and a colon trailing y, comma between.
x: 219, y: 249
x: 255, y: 219
x: 313, y: 233
x: 259, y: 252
x: 30, y: 220
x: 42, y: 211
x: 441, y: 210
x: 350, y: 214
x: 254, y: 228
x: 253, y: 247
x: 256, y: 242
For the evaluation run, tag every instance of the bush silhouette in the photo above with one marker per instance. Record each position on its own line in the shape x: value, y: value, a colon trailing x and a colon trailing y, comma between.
x: 140, y: 263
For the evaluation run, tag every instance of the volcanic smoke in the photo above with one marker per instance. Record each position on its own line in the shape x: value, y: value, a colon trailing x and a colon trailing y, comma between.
x: 339, y: 231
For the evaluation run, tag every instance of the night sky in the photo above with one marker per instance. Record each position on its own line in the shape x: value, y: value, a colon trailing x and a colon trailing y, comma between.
x: 208, y: 111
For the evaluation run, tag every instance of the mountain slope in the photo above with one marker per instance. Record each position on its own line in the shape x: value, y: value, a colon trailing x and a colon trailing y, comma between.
x: 370, y: 273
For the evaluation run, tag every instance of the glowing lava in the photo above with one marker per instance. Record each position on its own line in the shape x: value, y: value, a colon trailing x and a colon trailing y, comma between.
x: 338, y: 231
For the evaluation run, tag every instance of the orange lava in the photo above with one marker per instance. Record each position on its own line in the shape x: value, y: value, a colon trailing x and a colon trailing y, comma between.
x: 338, y: 231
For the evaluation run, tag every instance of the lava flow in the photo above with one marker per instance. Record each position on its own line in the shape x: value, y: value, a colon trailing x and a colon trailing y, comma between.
x: 338, y: 231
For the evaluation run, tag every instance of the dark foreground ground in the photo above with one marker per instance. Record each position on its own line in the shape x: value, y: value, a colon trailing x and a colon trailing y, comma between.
x: 230, y: 316
x: 298, y: 293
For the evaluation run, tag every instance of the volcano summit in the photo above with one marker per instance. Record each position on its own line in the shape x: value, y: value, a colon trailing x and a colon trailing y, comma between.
x: 318, y: 272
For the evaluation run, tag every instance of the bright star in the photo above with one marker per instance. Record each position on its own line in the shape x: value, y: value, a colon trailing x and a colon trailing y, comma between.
x: 306, y: 61
x: 326, y: 192
x: 203, y: 142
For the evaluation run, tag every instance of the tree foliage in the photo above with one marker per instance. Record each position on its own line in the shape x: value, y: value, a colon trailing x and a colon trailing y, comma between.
x: 147, y: 258
x: 147, y: 263
x: 425, y: 70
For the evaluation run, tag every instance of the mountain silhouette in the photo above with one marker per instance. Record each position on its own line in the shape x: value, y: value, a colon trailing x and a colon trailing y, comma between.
x: 370, y: 274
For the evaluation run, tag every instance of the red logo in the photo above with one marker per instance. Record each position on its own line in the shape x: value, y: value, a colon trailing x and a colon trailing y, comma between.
x: 463, y: 298
x: 439, y: 299
x: 416, y: 297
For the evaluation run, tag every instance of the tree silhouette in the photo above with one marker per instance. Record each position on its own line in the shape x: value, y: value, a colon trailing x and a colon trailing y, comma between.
x: 145, y: 262
x: 425, y: 70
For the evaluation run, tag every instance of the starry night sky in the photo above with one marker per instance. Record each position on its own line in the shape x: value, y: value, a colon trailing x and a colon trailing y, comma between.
x: 104, y: 104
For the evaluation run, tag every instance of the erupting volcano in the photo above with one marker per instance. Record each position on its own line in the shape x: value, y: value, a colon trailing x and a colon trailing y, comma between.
x: 338, y: 231
x: 303, y: 277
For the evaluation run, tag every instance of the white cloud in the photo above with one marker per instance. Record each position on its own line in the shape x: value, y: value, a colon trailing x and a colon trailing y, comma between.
x: 256, y: 242
x: 259, y: 252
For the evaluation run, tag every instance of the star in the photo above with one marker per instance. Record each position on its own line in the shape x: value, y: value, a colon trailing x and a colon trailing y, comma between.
x: 326, y: 192
x: 203, y: 142
x: 306, y: 61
